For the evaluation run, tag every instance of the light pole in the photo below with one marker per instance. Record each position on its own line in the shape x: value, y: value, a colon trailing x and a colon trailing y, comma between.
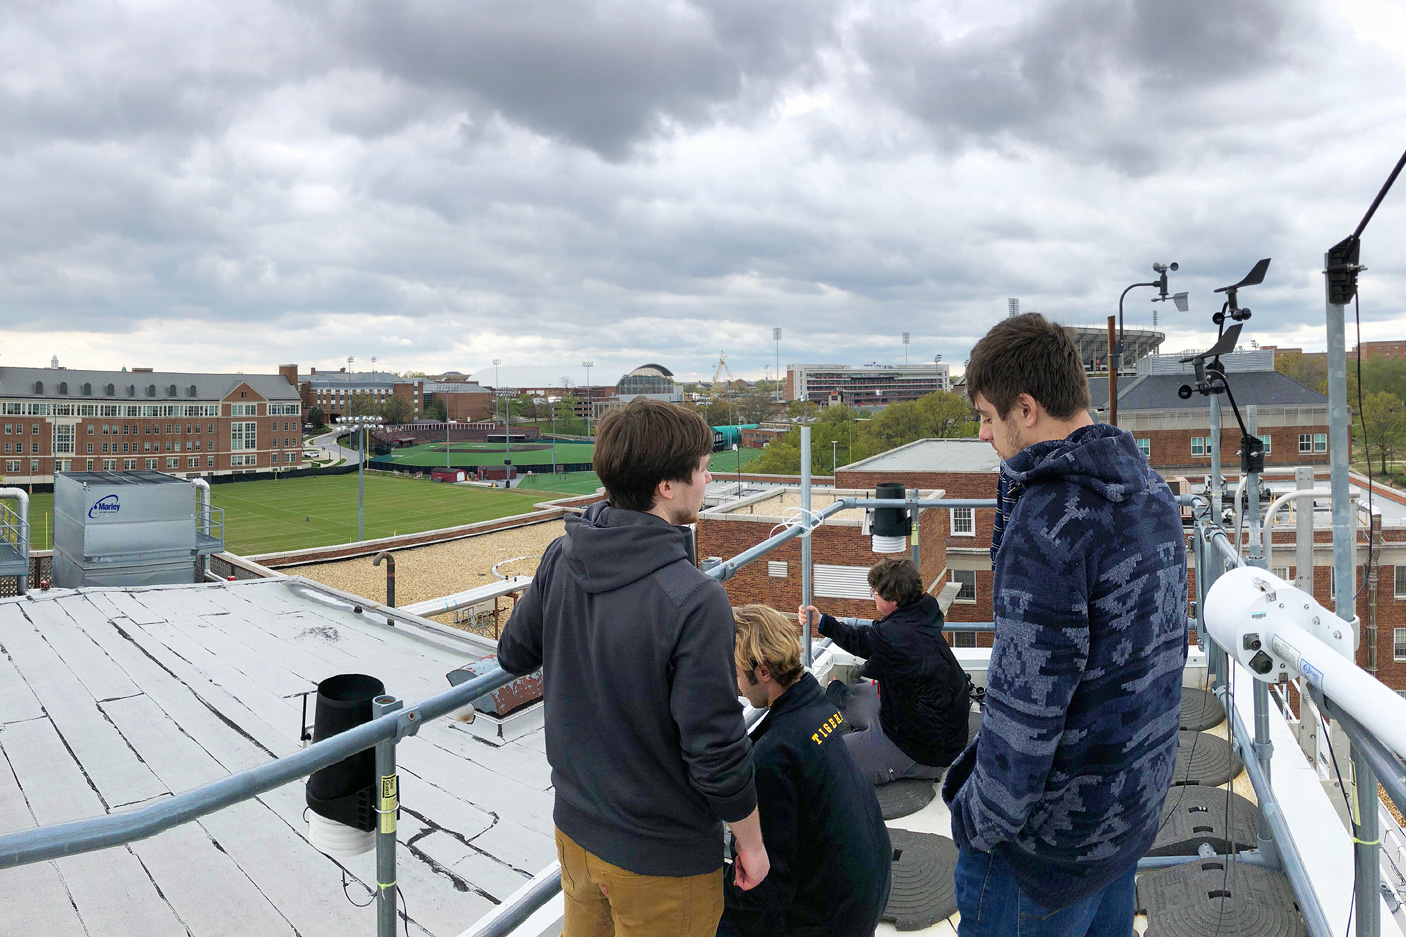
x: 905, y: 349
x: 588, y: 365
x: 360, y: 423
x: 555, y: 404
x: 776, y: 337
x: 495, y: 389
x: 834, y: 456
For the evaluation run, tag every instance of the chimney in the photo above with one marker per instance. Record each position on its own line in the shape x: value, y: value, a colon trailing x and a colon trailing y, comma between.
x: 290, y: 373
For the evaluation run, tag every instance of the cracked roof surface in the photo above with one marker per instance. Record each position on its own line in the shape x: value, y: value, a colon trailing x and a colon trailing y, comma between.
x: 112, y: 698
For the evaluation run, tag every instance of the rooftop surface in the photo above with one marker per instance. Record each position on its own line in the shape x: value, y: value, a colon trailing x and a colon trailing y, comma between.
x: 933, y: 455
x: 111, y: 698
x: 20, y: 382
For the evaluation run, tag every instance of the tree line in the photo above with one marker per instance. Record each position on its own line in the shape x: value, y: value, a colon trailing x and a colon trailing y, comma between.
x: 1382, y: 410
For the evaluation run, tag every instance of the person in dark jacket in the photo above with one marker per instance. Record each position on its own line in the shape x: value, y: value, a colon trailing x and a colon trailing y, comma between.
x: 921, y: 698
x: 644, y: 731
x: 825, y: 835
x: 1062, y: 792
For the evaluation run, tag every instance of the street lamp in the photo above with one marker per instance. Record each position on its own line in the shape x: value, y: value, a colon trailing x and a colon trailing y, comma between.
x: 588, y: 365
x: 776, y: 337
x: 360, y: 423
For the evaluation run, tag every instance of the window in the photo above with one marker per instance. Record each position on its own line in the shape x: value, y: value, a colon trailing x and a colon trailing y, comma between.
x: 1398, y: 643
x: 1198, y: 445
x: 173, y: 463
x: 35, y: 430
x: 964, y: 639
x: 109, y: 465
x: 151, y: 464
x: 193, y: 462
x: 1400, y: 591
x: 243, y: 409
x: 1320, y: 442
x: 963, y: 522
x: 34, y: 448
x: 1282, y: 572
x: 242, y: 436
x: 1305, y: 442
x: 210, y: 461
x: 90, y: 465
x: 1266, y: 440
x: 129, y: 465
x: 90, y: 429
x: 776, y: 570
x: 12, y: 466
x: 967, y: 577
x: 90, y: 448
x: 34, y: 467
x: 1145, y: 447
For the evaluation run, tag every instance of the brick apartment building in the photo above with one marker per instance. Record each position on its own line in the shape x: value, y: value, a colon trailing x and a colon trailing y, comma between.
x: 840, y: 551
x: 57, y: 419
x: 333, y: 391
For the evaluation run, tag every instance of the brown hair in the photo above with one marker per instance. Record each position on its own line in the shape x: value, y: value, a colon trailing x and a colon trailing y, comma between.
x: 765, y: 636
x: 896, y: 579
x: 1028, y: 354
x: 644, y: 443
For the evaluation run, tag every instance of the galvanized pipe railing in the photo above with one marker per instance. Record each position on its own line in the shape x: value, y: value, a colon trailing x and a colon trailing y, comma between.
x: 21, y: 533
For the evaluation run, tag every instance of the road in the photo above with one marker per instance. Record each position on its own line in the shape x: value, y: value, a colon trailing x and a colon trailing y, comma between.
x: 329, y: 449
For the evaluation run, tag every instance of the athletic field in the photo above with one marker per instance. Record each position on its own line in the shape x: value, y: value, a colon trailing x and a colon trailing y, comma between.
x: 585, y: 483
x: 294, y: 513
x: 476, y: 454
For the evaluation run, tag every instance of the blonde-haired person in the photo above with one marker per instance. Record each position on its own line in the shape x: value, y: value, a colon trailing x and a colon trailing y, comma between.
x: 825, y: 836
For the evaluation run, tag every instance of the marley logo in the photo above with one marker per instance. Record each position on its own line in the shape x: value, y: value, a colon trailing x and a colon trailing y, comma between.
x: 105, y: 505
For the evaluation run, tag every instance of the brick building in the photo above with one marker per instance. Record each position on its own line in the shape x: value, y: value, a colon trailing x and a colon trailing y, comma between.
x: 840, y: 551
x: 333, y: 391
x: 56, y: 419
x: 1174, y: 433
x: 961, y: 468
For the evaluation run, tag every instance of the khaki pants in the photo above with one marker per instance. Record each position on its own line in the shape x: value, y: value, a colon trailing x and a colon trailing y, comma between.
x: 604, y: 900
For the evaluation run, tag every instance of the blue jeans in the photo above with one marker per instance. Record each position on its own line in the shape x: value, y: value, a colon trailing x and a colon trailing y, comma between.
x: 992, y: 905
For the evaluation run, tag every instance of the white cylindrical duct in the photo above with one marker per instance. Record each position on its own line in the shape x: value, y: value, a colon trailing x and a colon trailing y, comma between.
x: 881, y: 544
x: 338, y: 839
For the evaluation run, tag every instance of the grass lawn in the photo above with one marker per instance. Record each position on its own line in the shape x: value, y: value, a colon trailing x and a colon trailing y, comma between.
x: 268, y: 516
x: 584, y: 483
x: 472, y: 454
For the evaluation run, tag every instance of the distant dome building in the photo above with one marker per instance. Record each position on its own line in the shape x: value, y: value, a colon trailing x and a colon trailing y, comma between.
x: 649, y: 380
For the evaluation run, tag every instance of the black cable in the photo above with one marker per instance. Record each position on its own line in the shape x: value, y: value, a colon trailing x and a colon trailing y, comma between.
x: 371, y: 895
x: 1347, y: 802
x: 404, y: 910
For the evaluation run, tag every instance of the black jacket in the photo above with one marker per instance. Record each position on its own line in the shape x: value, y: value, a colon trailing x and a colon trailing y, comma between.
x: 826, y: 839
x: 644, y: 729
x: 923, y: 702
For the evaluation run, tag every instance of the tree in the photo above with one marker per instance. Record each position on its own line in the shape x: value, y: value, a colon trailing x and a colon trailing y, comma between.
x: 754, y: 406
x: 362, y: 404
x: 315, y: 416
x: 524, y: 407
x: 1385, y: 418
x: 1309, y: 371
x: 435, y: 410
x: 397, y: 409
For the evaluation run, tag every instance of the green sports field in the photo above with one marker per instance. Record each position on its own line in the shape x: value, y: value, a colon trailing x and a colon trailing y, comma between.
x: 294, y: 513
x: 585, y: 483
x: 476, y: 454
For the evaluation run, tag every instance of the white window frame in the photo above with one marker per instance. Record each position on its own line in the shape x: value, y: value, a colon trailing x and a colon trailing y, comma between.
x: 1398, y: 644
x: 1305, y: 443
x: 1399, y: 589
x: 964, y: 574
x: 12, y: 466
x: 1145, y: 447
x: 1320, y: 442
x: 962, y: 522
x: 1198, y: 445
x: 1265, y: 438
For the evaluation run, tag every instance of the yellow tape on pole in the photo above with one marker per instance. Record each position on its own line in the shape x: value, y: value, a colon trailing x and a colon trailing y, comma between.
x: 390, y: 801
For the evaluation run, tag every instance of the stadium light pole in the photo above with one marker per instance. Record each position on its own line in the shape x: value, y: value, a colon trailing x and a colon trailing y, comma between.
x: 905, y: 349
x: 360, y: 423
x: 834, y: 457
x: 588, y: 365
x: 776, y: 337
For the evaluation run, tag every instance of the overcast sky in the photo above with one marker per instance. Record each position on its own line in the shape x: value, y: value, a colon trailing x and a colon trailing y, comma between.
x: 440, y: 183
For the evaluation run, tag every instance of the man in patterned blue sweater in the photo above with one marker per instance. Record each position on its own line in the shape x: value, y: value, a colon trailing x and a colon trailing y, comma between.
x: 1060, y: 795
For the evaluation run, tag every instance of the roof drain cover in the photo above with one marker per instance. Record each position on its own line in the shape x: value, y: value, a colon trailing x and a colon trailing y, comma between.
x: 904, y: 798
x: 1194, y: 815
x: 923, y: 891
x: 1200, y: 710
x: 1198, y: 899
x: 1204, y: 759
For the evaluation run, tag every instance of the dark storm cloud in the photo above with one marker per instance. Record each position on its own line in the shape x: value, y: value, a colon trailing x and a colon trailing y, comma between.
x: 1094, y: 75
x: 604, y: 75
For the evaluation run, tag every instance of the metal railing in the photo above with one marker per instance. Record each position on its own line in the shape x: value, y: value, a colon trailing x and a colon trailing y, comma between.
x: 1213, y: 554
x: 14, y: 537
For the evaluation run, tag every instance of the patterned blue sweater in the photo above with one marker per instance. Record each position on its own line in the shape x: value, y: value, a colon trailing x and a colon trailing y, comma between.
x: 1067, y: 777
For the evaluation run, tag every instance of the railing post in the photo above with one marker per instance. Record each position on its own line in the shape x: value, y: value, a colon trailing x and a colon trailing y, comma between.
x: 806, y: 586
x: 917, y: 531
x: 1217, y: 480
x: 387, y: 806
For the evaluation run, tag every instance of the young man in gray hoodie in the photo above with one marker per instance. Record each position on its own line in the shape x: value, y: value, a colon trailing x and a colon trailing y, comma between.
x: 644, y: 730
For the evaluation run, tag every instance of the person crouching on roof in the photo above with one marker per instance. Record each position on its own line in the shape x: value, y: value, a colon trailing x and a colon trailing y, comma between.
x: 914, y: 722
x: 824, y: 833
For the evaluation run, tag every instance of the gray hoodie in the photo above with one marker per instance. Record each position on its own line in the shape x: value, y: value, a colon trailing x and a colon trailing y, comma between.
x: 644, y: 728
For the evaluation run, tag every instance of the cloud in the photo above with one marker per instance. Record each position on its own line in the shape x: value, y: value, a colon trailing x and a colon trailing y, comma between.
x: 440, y: 184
